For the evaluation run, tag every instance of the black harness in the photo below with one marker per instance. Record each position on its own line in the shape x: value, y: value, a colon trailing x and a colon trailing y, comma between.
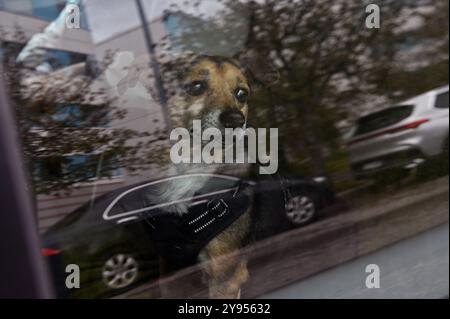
x: 180, y: 238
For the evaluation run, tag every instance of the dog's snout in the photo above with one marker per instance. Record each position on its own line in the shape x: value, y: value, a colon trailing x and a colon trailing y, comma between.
x: 232, y: 118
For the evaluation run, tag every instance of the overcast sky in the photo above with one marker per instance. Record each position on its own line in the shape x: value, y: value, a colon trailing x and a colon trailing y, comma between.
x: 109, y: 17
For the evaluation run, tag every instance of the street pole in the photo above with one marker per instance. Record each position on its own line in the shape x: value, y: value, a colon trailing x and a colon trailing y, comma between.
x: 154, y: 64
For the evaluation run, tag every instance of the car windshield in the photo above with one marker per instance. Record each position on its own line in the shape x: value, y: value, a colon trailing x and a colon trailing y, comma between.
x: 73, y: 217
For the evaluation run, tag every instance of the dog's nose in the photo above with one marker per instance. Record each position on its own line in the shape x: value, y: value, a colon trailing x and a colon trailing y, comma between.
x: 232, y: 118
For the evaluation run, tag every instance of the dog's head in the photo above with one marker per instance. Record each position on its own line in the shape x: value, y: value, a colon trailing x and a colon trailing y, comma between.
x: 214, y: 90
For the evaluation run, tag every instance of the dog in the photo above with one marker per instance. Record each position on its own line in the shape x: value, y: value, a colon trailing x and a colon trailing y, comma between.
x: 215, y: 90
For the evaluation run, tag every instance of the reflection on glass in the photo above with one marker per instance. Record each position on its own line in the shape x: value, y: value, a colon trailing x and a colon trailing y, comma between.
x: 362, y: 116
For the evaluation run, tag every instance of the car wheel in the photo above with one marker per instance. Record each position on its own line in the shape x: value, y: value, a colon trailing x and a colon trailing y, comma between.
x: 301, y: 209
x: 120, y: 271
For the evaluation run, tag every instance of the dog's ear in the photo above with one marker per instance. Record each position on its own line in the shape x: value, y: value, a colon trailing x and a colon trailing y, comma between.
x: 259, y: 69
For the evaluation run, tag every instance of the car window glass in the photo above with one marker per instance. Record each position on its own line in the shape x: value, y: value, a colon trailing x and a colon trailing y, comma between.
x: 383, y: 119
x: 126, y: 107
x: 162, y: 192
x: 441, y: 101
x: 218, y: 184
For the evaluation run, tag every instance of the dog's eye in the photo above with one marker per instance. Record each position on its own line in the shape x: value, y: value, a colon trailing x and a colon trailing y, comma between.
x: 241, y: 95
x: 196, y: 88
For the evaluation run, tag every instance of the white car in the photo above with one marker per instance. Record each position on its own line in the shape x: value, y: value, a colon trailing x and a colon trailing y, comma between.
x: 405, y: 135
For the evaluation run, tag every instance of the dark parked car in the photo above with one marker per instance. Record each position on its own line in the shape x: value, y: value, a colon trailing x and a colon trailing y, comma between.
x: 116, y: 238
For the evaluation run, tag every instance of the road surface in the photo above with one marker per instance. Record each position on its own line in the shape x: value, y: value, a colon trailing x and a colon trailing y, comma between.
x: 413, y: 268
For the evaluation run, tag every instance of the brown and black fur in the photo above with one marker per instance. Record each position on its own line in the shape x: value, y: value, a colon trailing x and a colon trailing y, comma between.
x: 222, y: 78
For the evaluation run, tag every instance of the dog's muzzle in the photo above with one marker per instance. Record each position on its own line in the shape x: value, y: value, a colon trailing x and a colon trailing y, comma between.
x: 232, y: 118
